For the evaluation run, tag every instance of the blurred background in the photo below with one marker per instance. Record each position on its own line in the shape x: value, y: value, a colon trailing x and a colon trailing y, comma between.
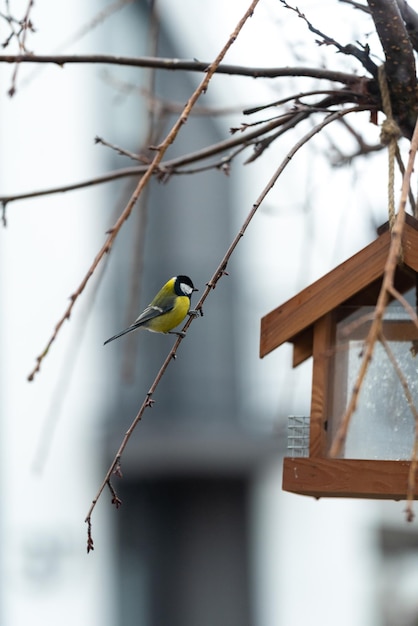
x: 205, y: 535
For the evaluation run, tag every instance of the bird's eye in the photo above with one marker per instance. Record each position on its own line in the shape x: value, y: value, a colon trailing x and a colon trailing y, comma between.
x: 186, y: 289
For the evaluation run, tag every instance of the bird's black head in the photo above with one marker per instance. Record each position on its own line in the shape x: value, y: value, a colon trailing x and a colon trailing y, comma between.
x: 184, y: 286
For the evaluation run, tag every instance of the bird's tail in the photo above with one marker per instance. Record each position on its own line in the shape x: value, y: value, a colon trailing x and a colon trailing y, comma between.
x: 127, y: 330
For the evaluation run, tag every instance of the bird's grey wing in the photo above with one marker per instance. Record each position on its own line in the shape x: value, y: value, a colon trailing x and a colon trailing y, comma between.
x: 150, y: 313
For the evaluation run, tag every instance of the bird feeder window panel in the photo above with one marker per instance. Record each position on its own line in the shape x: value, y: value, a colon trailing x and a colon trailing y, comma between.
x: 382, y: 427
x: 329, y: 321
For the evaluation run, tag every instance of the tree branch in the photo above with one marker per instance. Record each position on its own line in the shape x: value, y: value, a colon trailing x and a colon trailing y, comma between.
x: 400, y: 63
x: 179, y: 64
x: 361, y: 54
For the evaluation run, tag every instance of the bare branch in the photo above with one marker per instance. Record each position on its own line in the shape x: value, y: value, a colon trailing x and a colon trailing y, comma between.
x: 121, y: 151
x: 178, y: 64
x: 357, y: 5
x: 339, y: 159
x: 404, y: 302
x: 295, y: 97
x: 100, y: 17
x: 26, y: 25
x: 361, y: 54
x: 154, y: 119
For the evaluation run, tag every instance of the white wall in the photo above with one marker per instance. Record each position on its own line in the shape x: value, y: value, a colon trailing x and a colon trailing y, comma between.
x: 47, y: 132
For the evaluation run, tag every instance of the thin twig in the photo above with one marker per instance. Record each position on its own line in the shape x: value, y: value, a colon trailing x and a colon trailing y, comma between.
x: 404, y: 302
x: 98, y: 19
x: 26, y: 25
x: 361, y: 54
x: 210, y: 285
x: 340, y: 159
x: 295, y: 97
x: 357, y: 5
x: 137, y: 261
x: 58, y: 395
x: 121, y: 151
x: 162, y: 105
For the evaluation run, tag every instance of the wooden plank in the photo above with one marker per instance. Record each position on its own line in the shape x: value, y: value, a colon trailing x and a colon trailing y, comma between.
x: 302, y: 347
x: 346, y: 478
x: 283, y: 323
x: 323, y: 351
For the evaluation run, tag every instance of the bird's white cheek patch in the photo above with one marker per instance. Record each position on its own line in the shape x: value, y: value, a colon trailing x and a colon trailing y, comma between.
x: 186, y: 289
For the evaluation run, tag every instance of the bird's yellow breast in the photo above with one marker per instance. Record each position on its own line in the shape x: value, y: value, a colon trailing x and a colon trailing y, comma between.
x: 167, y: 321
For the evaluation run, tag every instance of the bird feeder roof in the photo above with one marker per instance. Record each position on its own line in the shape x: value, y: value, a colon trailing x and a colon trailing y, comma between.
x: 356, y: 282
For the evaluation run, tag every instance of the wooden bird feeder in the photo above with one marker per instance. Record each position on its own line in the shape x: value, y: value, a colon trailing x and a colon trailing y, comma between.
x: 329, y: 321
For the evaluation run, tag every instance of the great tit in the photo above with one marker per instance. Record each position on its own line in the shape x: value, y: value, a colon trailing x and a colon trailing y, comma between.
x: 168, y: 309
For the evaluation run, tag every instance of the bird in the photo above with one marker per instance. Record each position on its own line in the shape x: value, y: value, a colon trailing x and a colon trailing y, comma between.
x: 167, y: 310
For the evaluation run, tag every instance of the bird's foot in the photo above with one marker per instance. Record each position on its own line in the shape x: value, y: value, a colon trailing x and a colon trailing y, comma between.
x: 179, y: 333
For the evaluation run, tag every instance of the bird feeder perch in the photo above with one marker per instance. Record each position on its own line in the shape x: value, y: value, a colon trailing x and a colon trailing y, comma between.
x: 329, y: 321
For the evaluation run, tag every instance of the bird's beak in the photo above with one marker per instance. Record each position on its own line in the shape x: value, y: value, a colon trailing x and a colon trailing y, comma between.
x: 194, y: 289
